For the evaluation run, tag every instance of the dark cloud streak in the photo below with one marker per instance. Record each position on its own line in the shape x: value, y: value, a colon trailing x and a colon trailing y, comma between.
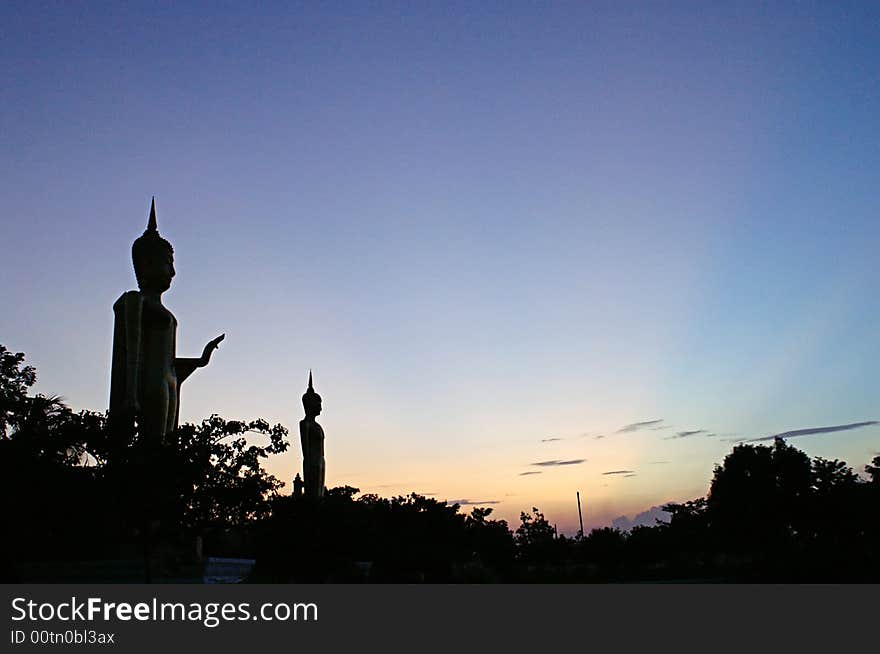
x: 466, y: 502
x: 815, y: 430
x: 685, y: 434
x: 635, y: 426
x: 557, y: 462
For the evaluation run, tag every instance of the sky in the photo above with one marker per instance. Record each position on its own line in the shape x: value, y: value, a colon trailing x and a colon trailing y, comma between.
x: 500, y: 234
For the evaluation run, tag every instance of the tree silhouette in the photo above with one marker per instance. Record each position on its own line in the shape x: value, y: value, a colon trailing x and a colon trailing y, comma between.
x: 15, y: 380
x: 491, y: 541
x: 758, y: 496
x: 873, y: 470
x: 535, y: 537
x: 74, y: 488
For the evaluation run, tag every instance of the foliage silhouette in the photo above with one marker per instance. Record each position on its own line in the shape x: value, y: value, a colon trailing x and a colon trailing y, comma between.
x: 535, y: 537
x: 74, y: 489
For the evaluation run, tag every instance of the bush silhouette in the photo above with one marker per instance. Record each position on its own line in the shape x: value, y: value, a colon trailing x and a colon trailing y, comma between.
x: 73, y: 489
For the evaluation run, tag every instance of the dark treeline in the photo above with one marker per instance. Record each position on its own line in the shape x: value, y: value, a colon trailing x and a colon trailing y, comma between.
x: 75, y: 490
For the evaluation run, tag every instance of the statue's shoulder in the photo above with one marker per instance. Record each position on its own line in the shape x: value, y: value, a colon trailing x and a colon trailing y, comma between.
x: 127, y: 298
x: 306, y: 426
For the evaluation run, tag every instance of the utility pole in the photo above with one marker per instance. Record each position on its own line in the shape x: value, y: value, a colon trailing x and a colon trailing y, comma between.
x: 580, y: 515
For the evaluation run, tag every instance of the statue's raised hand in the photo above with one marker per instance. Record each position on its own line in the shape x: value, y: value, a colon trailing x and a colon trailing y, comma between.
x: 209, y: 349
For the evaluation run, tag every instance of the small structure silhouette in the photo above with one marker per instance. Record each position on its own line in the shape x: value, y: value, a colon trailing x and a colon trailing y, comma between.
x: 312, y: 440
x: 298, y: 486
x: 146, y: 373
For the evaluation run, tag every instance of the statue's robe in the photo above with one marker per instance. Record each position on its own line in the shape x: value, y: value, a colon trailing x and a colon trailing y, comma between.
x: 148, y: 365
x: 314, y: 467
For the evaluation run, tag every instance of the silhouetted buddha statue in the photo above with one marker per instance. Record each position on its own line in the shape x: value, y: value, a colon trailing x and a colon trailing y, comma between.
x: 298, y: 486
x: 312, y: 439
x: 146, y: 373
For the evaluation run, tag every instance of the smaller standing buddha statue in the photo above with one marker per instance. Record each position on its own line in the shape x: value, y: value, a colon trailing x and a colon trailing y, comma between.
x: 312, y: 440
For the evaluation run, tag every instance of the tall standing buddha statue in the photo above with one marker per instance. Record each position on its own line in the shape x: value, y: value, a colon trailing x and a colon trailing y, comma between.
x: 146, y: 372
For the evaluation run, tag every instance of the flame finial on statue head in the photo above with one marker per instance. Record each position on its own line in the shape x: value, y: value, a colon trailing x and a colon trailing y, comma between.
x: 151, y: 224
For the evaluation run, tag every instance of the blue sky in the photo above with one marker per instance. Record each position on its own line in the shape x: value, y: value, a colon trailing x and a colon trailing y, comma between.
x: 482, y: 226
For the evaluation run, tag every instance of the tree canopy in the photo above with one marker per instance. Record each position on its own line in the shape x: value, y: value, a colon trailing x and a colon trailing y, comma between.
x: 72, y: 487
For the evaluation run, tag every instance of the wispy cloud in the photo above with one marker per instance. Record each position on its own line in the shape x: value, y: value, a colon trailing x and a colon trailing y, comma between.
x: 656, y: 463
x: 550, y: 440
x: 619, y: 472
x: 685, y: 434
x: 530, y: 472
x: 635, y: 426
x: 599, y: 437
x: 661, y: 427
x: 466, y: 502
x: 630, y: 475
x: 815, y: 430
x: 557, y: 462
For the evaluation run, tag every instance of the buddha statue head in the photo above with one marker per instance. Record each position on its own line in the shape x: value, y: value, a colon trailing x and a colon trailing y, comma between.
x: 311, y: 400
x: 153, y: 258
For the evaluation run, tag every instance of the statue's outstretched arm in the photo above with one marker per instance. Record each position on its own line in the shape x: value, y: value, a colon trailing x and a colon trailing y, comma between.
x: 185, y: 366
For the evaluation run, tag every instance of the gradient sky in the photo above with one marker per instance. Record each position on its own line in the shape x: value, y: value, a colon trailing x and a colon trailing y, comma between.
x: 483, y: 225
